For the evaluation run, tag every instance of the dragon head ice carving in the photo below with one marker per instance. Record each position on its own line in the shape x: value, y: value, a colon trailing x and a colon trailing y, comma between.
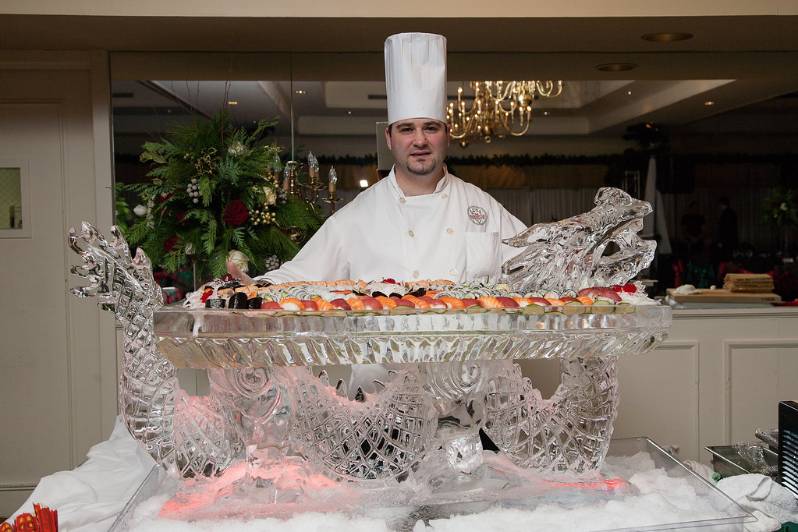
x: 569, y: 254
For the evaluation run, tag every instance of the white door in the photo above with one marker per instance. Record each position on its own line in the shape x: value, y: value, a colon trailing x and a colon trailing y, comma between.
x: 57, y: 375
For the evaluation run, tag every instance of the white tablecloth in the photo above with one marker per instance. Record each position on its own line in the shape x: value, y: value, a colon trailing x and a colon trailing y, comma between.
x: 89, y: 497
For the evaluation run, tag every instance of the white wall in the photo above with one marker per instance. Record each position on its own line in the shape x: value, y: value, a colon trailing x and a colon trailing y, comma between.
x: 57, y: 353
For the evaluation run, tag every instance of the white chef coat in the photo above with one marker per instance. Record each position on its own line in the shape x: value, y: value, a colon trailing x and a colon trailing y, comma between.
x: 383, y: 233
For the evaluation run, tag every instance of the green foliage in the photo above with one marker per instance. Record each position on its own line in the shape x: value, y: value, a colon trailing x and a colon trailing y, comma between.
x: 781, y: 208
x: 206, y: 180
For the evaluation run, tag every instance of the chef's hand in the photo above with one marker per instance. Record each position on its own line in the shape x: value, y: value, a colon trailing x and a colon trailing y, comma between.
x: 235, y: 271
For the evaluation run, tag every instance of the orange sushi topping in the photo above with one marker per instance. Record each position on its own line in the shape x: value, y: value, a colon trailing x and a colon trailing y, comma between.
x: 355, y: 303
x: 453, y: 303
x: 291, y: 303
x: 387, y: 302
x: 489, y: 302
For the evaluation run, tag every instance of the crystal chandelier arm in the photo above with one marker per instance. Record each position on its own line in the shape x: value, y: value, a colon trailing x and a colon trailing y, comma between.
x: 549, y: 88
x: 499, y: 108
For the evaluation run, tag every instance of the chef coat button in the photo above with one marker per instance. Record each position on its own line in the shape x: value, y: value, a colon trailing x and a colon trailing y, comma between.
x: 411, y: 233
x: 452, y: 272
x: 402, y: 200
x: 449, y: 230
x: 415, y: 273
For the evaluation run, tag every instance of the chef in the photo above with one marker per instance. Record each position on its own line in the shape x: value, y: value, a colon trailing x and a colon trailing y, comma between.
x: 419, y: 222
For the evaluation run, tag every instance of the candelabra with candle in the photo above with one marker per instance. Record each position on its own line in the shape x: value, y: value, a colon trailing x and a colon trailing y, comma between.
x: 332, y: 197
x: 313, y: 186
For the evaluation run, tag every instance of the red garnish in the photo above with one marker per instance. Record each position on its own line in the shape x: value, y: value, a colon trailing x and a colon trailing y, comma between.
x: 617, y: 287
x: 629, y: 288
x: 389, y: 281
x: 44, y: 520
x: 206, y: 294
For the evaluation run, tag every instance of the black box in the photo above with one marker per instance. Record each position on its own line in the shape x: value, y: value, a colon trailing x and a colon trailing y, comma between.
x: 788, y: 445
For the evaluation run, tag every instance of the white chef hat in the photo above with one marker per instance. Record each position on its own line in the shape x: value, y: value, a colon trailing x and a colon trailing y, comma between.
x: 415, y: 76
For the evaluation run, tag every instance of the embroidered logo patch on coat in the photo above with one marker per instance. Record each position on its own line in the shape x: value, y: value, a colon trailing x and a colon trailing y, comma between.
x: 478, y: 215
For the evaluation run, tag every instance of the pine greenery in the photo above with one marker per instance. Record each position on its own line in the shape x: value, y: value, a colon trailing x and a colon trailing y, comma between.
x: 206, y: 181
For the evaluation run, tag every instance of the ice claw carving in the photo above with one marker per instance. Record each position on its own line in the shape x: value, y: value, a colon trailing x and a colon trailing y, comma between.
x: 377, y: 440
x: 571, y: 431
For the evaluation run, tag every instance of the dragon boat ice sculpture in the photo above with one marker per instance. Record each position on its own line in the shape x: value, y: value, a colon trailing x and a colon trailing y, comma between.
x: 441, y: 377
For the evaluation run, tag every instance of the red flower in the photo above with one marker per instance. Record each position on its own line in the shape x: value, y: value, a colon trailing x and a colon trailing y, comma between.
x: 235, y: 213
x: 170, y: 243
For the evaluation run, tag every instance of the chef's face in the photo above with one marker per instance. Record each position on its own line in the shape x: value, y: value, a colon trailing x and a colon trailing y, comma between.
x: 418, y: 145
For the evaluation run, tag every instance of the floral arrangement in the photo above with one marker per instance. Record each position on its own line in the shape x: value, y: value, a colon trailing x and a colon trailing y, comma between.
x: 781, y: 208
x: 215, y: 190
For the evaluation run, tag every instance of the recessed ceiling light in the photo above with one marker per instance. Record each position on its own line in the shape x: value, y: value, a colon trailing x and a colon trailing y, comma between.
x: 667, y: 36
x: 709, y: 103
x: 300, y: 91
x: 364, y: 183
x: 545, y: 113
x: 628, y: 93
x: 232, y: 102
x: 616, y: 67
x: 349, y: 112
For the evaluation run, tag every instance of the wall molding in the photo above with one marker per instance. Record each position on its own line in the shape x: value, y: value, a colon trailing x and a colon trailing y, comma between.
x: 21, y: 486
x: 694, y: 346
x: 743, y: 343
x: 764, y: 312
x: 46, y: 60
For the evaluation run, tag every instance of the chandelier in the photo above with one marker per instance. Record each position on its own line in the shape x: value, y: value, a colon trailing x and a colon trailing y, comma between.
x: 499, y: 108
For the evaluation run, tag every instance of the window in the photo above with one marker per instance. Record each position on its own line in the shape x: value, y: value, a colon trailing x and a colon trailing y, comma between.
x: 14, y: 211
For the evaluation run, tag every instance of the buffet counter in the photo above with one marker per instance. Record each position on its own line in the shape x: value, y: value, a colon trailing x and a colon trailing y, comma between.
x: 718, y: 376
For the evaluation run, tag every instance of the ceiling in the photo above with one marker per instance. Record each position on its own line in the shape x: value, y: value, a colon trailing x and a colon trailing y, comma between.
x: 512, y: 33
x: 351, y: 108
x: 734, y: 61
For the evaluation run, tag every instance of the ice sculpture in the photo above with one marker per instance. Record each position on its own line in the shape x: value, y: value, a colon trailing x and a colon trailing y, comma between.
x: 450, y: 375
x: 175, y: 429
x: 569, y: 254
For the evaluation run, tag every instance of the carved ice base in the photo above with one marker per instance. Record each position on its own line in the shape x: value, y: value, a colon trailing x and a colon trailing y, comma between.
x: 424, y: 408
